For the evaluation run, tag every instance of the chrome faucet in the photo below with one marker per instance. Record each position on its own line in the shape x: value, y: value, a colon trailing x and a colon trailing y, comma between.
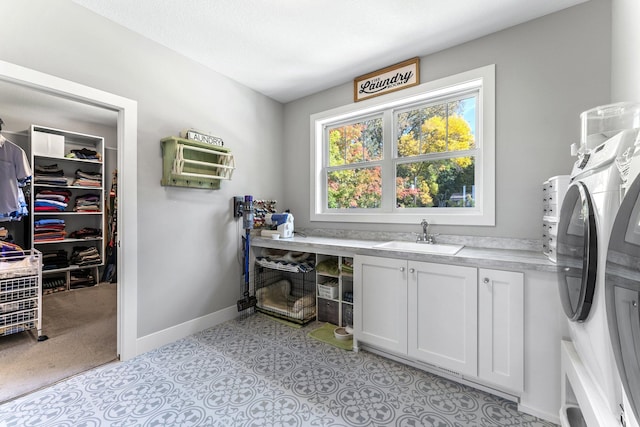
x: 425, y: 237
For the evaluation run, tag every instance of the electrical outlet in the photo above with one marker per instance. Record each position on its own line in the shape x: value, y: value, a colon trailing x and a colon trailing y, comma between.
x: 238, y: 206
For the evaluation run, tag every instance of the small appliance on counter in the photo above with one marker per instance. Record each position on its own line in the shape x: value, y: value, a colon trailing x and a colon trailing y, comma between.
x: 280, y: 224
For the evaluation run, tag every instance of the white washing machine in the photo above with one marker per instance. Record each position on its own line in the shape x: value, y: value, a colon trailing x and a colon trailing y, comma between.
x: 586, y: 218
x: 622, y: 289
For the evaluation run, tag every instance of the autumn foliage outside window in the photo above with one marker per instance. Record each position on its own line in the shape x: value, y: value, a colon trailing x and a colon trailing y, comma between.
x: 433, y: 158
x: 354, y: 178
x: 435, y: 151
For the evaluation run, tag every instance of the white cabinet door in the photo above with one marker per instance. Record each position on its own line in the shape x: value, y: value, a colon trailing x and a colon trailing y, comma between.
x: 380, y: 297
x: 501, y: 328
x: 442, y: 316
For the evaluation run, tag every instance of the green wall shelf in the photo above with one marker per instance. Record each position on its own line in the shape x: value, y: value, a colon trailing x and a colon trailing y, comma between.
x: 187, y: 163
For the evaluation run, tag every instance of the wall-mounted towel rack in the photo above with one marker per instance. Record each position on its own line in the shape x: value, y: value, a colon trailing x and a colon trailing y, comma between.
x: 187, y: 163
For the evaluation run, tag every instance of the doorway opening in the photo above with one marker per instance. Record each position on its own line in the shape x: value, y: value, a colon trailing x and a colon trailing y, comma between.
x: 34, y: 88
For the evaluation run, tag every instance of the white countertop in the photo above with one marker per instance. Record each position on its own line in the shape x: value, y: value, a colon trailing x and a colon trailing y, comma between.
x: 511, y: 259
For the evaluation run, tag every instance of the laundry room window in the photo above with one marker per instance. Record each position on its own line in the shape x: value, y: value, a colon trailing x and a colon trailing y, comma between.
x: 426, y: 152
x: 435, y: 154
x: 354, y: 168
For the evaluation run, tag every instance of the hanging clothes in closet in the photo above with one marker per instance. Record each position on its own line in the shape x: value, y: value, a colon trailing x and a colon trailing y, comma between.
x: 15, y: 172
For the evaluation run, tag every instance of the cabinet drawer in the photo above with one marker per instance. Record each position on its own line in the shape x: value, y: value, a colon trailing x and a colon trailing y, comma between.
x: 550, y: 209
x: 327, y: 311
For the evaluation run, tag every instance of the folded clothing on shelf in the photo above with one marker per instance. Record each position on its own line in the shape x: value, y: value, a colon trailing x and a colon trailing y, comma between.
x: 49, y: 174
x: 88, y: 179
x: 48, y: 229
x: 51, y: 180
x: 87, y: 203
x: 10, y: 250
x: 54, y: 260
x: 84, y: 255
x: 86, y: 233
x: 48, y: 170
x: 51, y: 200
x: 49, y: 235
x: 328, y: 266
x: 278, y: 264
x: 81, y: 279
x: 85, y: 154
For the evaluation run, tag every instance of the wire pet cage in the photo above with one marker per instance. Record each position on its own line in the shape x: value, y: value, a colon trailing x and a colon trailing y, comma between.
x: 286, y: 294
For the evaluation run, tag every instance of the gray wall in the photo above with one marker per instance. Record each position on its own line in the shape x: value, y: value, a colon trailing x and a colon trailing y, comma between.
x: 547, y: 72
x: 188, y: 241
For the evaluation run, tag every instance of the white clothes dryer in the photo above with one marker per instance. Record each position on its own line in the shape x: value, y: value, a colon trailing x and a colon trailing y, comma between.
x: 622, y: 289
x: 586, y: 218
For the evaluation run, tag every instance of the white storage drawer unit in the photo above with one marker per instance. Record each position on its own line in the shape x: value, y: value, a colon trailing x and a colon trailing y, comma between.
x: 553, y: 191
x: 20, y: 293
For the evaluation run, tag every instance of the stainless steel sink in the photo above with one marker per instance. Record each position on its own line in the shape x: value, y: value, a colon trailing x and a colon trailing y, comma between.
x: 423, y: 248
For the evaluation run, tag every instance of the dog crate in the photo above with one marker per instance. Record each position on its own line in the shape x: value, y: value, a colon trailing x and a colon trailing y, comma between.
x: 285, y: 290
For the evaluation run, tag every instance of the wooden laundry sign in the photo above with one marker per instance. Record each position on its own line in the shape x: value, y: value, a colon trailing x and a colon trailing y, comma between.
x: 390, y: 79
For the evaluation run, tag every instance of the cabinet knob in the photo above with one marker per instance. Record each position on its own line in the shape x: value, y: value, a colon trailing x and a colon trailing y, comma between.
x: 486, y: 281
x: 401, y: 268
x: 412, y: 270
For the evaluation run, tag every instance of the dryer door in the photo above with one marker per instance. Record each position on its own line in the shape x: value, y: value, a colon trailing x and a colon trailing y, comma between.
x: 577, y: 252
x: 622, y: 294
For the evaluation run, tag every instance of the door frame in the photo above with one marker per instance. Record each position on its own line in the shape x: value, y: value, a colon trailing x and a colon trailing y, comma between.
x: 127, y: 216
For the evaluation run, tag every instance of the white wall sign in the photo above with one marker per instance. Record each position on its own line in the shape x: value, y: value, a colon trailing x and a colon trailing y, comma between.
x: 202, y: 137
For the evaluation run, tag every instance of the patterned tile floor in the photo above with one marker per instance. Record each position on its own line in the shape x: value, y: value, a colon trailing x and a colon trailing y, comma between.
x: 259, y: 372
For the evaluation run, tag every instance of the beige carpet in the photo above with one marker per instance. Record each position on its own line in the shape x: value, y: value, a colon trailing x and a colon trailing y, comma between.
x: 81, y: 326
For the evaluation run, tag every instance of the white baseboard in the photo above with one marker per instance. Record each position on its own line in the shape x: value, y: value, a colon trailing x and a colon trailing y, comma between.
x: 174, y: 333
x: 554, y: 418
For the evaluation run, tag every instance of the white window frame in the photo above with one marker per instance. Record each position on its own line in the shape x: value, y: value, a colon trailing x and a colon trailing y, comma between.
x: 481, y: 80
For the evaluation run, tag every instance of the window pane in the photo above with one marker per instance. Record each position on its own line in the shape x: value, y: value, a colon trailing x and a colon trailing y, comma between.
x: 354, y: 188
x: 441, y: 183
x: 461, y: 124
x: 355, y: 143
x: 437, y: 128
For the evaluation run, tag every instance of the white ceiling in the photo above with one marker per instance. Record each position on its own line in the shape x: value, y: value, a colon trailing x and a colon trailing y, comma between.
x: 287, y: 49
